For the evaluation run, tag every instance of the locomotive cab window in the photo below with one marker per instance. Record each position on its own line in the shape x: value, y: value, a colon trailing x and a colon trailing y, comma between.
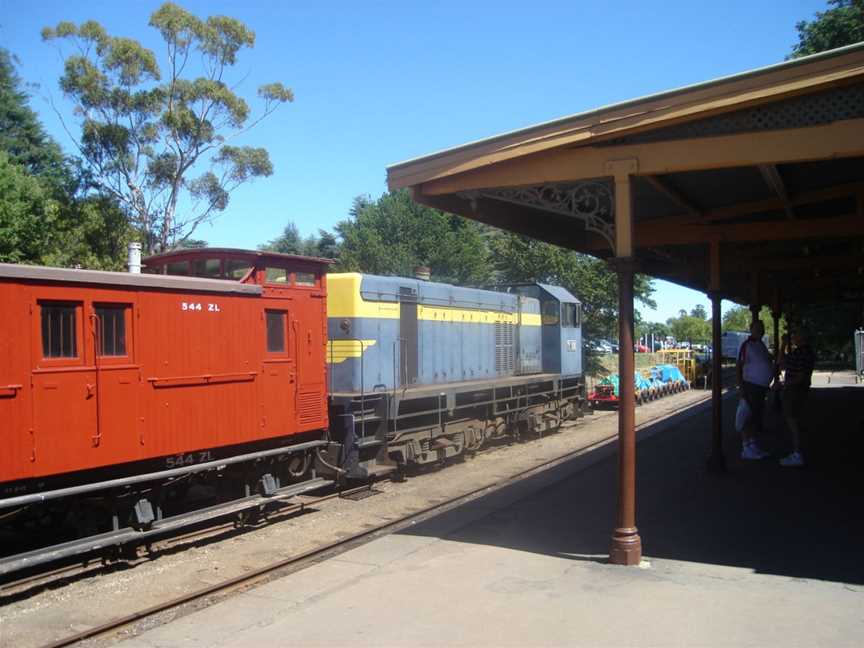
x: 111, y: 329
x: 276, y: 327
x: 550, y: 313
x: 59, y: 330
x: 570, y: 315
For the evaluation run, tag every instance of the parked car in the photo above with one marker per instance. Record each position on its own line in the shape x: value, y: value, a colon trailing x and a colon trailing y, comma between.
x: 640, y: 348
x: 598, y: 346
x: 613, y: 347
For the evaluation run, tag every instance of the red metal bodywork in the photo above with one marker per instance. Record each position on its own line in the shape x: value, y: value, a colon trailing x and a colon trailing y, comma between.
x: 603, y: 396
x: 196, y: 373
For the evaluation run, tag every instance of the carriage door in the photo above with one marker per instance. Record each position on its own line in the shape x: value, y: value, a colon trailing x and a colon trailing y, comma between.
x: 408, y: 333
x: 279, y: 380
x: 117, y: 380
x: 14, y: 388
x: 64, y: 384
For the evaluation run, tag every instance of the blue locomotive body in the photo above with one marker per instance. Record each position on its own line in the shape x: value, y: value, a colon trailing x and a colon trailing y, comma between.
x: 420, y: 371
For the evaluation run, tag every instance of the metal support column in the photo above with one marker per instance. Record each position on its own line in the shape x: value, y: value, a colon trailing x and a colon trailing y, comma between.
x: 626, y: 545
x: 717, y: 460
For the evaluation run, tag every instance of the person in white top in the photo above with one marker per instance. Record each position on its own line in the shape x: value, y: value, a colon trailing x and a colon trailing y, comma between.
x: 755, y: 370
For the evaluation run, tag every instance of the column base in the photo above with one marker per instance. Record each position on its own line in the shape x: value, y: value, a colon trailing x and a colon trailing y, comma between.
x: 626, y: 548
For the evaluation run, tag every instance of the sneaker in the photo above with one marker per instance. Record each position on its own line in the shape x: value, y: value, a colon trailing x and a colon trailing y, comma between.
x: 794, y: 460
x: 753, y: 452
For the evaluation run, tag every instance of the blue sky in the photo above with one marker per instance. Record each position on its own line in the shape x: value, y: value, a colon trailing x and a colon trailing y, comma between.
x: 380, y: 82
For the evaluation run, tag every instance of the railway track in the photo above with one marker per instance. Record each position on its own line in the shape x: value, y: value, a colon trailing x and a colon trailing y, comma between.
x: 212, y: 593
x: 34, y: 582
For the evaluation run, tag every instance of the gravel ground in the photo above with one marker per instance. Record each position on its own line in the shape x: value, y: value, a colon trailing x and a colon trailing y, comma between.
x: 95, y: 598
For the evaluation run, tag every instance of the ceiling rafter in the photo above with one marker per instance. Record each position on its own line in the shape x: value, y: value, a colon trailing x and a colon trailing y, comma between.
x: 663, y: 186
x: 660, y: 232
x: 771, y: 176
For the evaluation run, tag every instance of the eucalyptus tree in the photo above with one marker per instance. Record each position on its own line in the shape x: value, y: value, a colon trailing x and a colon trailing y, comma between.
x: 841, y: 24
x: 160, y: 138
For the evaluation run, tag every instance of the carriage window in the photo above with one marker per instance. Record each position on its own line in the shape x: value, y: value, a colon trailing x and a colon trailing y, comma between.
x: 276, y: 275
x: 235, y: 269
x: 112, y: 330
x: 550, y: 313
x: 304, y: 278
x: 59, y: 334
x: 275, y: 331
x: 177, y: 268
x: 211, y: 268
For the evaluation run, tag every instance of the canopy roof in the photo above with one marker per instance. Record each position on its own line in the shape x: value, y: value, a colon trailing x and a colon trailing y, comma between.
x: 765, y: 166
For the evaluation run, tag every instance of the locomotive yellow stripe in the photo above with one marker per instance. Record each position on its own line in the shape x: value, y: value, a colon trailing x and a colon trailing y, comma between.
x: 344, y: 301
x: 466, y: 315
x: 531, y: 319
x: 339, y: 351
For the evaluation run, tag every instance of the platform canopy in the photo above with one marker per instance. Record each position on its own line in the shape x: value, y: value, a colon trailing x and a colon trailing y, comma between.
x: 750, y: 185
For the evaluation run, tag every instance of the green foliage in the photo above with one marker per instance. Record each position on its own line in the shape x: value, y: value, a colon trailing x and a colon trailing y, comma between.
x: 518, y: 259
x: 841, y: 25
x: 35, y: 227
x: 690, y: 328
x: 829, y: 327
x: 47, y: 213
x: 393, y: 235
x: 738, y: 318
x: 156, y: 138
x: 658, y: 329
x: 324, y: 245
x: 699, y: 312
x: 93, y: 233
x: 22, y: 137
x: 193, y: 244
x: 28, y: 213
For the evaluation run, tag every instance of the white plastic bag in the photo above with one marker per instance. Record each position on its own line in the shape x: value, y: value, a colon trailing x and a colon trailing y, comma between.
x: 742, y: 415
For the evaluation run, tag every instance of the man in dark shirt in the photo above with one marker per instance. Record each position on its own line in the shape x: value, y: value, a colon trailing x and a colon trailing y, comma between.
x: 798, y: 361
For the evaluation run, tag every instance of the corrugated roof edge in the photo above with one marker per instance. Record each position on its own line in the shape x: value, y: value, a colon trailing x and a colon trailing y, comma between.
x: 631, y: 102
x: 125, y: 279
x: 561, y: 294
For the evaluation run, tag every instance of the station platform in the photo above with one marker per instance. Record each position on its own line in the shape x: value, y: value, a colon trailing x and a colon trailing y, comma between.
x: 759, y: 555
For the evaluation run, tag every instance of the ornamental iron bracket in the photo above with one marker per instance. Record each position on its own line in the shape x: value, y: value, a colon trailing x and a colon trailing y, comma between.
x: 592, y: 202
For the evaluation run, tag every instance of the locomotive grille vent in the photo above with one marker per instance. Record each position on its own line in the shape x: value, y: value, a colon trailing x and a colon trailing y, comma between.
x: 504, y: 357
x: 309, y: 406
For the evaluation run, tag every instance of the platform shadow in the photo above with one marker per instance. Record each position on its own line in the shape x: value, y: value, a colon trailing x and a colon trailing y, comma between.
x: 796, y: 523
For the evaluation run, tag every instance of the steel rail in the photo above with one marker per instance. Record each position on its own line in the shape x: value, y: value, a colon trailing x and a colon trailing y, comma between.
x: 168, y: 539
x: 344, y: 544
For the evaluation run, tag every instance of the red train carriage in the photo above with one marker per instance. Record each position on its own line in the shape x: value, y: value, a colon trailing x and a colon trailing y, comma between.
x: 111, y: 379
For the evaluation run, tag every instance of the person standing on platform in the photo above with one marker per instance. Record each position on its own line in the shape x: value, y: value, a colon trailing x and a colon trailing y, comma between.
x: 755, y: 370
x: 798, y: 361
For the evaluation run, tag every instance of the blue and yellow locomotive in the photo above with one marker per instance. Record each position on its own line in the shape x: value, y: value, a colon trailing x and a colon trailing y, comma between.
x: 422, y: 371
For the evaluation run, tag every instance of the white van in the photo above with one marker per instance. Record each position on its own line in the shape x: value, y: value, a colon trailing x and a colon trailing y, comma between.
x: 731, y: 343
